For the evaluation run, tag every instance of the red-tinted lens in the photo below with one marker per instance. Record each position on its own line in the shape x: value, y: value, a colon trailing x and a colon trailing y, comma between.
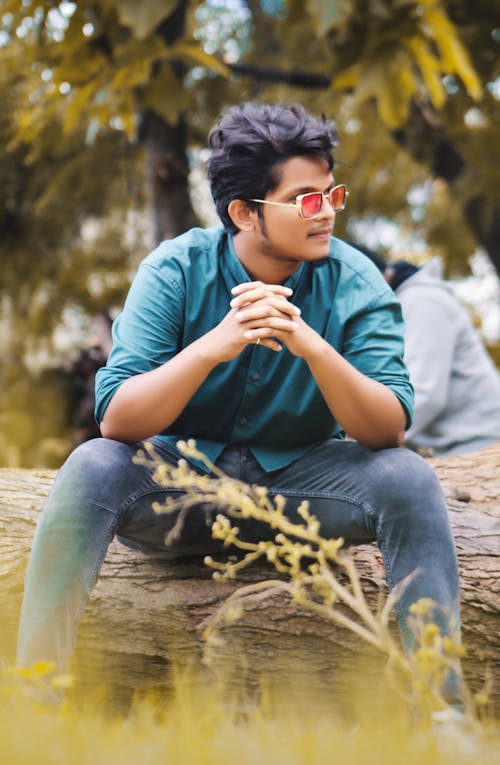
x: 311, y: 204
x: 336, y: 197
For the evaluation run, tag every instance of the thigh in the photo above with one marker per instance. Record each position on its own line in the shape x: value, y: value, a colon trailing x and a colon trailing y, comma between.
x: 329, y: 477
x: 158, y: 520
x: 332, y: 477
x: 355, y: 492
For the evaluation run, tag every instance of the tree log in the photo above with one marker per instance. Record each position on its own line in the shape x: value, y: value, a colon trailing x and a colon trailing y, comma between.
x: 144, y: 615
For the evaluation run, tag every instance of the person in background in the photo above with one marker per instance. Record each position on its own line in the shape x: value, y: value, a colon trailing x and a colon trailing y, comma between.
x: 80, y: 376
x: 457, y: 386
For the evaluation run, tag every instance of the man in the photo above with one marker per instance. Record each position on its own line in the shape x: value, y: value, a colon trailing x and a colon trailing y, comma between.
x: 457, y: 387
x: 265, y: 340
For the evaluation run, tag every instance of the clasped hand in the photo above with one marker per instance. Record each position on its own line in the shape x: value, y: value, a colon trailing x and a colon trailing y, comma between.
x: 261, y: 314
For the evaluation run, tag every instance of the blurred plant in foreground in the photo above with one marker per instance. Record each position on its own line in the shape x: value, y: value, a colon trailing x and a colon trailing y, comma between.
x: 313, y: 567
x: 194, y: 727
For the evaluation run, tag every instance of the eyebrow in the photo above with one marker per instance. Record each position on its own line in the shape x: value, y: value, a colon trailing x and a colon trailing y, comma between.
x: 308, y: 190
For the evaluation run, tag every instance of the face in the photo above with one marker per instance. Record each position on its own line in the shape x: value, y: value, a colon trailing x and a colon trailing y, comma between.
x: 280, y: 232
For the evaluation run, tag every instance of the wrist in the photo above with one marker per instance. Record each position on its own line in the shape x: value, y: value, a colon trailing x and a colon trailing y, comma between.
x: 207, y: 352
x: 317, y: 348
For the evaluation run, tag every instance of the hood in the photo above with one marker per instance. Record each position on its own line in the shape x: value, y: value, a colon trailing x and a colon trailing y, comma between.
x: 428, y: 275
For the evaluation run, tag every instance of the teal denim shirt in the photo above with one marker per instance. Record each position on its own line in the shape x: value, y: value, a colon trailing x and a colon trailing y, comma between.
x: 264, y: 400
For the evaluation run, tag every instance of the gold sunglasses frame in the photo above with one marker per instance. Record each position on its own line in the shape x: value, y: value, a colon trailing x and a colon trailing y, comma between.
x: 298, y: 201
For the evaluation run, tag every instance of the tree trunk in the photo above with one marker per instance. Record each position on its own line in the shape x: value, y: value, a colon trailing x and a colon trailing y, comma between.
x: 145, y: 615
x: 166, y: 148
x: 168, y: 176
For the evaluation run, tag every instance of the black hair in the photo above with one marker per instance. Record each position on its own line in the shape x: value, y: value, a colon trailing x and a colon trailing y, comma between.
x: 400, y: 271
x: 250, y: 143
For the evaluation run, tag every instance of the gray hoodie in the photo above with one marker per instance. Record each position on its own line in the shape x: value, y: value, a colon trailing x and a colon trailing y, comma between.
x: 457, y: 387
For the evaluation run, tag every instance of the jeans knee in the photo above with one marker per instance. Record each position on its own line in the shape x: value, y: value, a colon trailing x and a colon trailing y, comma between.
x: 95, y: 468
x: 406, y: 482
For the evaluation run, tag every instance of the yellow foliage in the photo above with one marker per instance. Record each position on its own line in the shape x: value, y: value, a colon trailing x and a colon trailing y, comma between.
x: 430, y: 68
x: 454, y: 56
x: 383, y: 70
x: 347, y: 79
x: 394, y: 98
x: 143, y: 17
x: 199, y: 57
x: 198, y: 726
x: 165, y: 95
x: 384, y: 74
x: 326, y: 14
x: 79, y: 101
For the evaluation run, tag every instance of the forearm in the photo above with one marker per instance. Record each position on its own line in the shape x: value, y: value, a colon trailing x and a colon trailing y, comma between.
x: 367, y: 410
x: 147, y: 403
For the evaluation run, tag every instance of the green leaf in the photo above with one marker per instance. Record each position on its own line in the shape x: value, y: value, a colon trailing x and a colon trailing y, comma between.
x: 143, y: 17
x: 329, y: 14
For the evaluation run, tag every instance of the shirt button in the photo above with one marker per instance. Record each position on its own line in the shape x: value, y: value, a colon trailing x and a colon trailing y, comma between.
x: 255, y: 376
x: 243, y: 420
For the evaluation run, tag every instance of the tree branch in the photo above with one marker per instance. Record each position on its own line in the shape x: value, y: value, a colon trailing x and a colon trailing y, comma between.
x: 294, y: 77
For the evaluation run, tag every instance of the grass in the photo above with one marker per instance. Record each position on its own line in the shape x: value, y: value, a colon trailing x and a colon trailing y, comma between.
x: 197, y: 726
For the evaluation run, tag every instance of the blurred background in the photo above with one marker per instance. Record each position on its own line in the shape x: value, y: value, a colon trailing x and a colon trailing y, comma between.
x: 105, y: 111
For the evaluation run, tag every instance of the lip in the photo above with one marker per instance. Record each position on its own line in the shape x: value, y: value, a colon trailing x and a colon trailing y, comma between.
x: 323, y: 233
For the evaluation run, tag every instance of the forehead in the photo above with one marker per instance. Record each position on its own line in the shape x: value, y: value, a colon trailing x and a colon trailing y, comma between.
x: 300, y: 174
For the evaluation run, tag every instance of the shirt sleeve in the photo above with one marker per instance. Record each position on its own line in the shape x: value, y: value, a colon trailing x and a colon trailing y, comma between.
x: 373, y: 343
x: 146, y: 334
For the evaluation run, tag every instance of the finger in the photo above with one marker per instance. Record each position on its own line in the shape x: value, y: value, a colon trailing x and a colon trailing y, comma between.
x: 266, y: 310
x: 270, y: 343
x: 267, y: 342
x: 277, y: 288
x: 249, y: 292
x: 253, y: 332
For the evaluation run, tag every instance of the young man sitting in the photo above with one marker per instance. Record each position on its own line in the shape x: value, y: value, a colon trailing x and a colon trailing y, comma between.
x: 266, y: 340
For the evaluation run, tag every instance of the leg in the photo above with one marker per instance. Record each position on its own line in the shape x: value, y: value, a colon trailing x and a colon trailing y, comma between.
x: 97, y: 493
x: 391, y: 496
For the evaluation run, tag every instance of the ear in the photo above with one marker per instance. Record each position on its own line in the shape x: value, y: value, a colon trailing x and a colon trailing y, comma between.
x: 241, y: 215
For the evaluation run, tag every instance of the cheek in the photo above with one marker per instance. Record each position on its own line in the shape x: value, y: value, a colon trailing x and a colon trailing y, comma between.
x: 293, y: 230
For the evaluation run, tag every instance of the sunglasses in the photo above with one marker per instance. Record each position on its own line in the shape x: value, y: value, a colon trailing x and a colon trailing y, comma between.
x: 309, y: 205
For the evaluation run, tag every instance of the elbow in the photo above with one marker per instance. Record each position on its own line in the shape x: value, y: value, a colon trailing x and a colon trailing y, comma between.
x: 386, y: 441
x: 106, y: 431
x: 391, y: 442
x: 400, y: 437
x: 119, y: 429
x: 109, y: 430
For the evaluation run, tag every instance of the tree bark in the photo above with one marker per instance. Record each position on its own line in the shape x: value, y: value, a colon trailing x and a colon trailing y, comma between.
x: 168, y: 168
x: 166, y: 148
x: 145, y: 615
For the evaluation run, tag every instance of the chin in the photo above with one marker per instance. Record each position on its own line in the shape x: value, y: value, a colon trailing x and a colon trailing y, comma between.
x: 321, y: 253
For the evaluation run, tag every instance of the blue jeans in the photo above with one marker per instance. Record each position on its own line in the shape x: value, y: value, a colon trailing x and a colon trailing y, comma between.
x: 391, y: 496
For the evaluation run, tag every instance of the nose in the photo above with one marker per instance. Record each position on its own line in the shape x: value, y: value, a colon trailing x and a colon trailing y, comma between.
x: 327, y: 210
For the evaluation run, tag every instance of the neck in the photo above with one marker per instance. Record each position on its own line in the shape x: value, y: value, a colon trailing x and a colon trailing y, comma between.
x: 261, y: 264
